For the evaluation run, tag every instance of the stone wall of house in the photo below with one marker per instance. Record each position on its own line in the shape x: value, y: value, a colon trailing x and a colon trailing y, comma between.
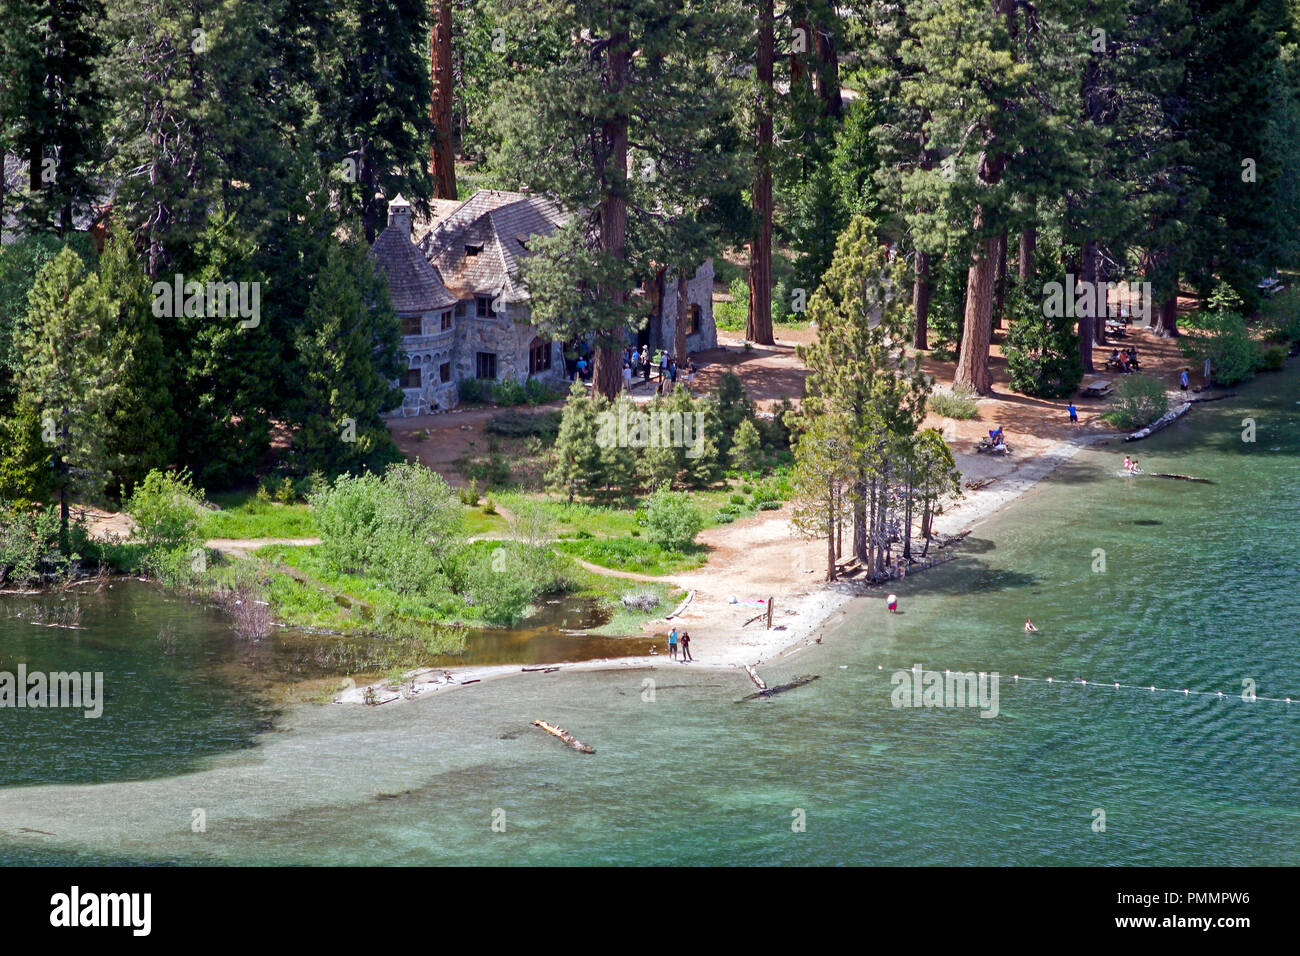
x: 699, y: 291
x: 509, y: 338
x: 428, y: 353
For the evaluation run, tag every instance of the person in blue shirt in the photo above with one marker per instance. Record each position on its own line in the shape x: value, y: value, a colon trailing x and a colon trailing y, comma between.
x: 1182, y: 379
x: 1074, y: 414
x: 672, y: 643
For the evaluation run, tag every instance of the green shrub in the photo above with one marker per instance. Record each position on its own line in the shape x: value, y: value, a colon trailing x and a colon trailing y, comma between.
x: 1139, y: 400
x: 672, y: 521
x: 168, y: 511
x: 474, y: 389
x: 402, y: 528
x: 468, y: 494
x: 285, y: 494
x: 508, y: 392
x: 1273, y: 358
x: 1042, y: 351
x: 954, y: 402
x: 1220, y: 335
x: 545, y: 425
x: 29, y: 544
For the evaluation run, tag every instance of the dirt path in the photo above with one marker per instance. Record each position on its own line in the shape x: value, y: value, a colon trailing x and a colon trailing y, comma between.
x: 241, y: 546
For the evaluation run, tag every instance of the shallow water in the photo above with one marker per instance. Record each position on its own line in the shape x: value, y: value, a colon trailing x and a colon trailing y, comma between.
x: 1200, y: 590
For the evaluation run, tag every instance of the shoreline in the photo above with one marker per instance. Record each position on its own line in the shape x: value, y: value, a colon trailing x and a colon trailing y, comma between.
x: 800, y: 618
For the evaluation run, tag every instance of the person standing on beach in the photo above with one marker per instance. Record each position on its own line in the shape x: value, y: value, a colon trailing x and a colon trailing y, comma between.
x: 1182, y: 380
x: 686, y: 646
x: 672, y: 643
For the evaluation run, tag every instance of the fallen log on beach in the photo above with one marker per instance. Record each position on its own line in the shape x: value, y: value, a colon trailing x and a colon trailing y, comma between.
x: 544, y: 669
x: 681, y: 607
x: 564, y: 735
x: 782, y: 688
x: 1160, y: 422
x: 753, y: 675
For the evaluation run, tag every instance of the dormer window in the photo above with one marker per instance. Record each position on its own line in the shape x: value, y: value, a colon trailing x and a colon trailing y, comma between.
x: 471, y: 250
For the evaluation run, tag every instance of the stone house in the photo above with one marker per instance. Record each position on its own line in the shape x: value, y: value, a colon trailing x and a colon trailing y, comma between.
x: 465, y: 312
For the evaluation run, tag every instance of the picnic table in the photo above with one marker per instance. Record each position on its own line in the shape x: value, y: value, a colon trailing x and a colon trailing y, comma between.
x: 1118, y: 327
x: 1098, y: 387
x: 1270, y: 286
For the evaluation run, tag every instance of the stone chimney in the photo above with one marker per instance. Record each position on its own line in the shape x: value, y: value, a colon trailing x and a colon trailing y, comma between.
x: 399, y: 214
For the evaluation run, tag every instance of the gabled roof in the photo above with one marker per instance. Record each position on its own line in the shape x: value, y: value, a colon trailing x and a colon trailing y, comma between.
x: 478, y: 247
x: 413, y: 283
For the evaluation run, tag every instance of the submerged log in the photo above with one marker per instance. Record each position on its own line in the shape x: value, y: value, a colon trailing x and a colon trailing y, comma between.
x: 782, y: 688
x: 564, y: 735
x: 1161, y: 474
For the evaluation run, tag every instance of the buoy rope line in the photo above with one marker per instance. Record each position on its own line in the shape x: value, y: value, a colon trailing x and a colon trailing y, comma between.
x: 1109, y: 685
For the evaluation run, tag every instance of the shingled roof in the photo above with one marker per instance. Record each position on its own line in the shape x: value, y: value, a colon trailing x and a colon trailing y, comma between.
x: 413, y: 284
x: 477, y: 248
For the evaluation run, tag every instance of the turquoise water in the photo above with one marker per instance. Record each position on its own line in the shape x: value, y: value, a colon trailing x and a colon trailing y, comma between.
x: 1201, y: 590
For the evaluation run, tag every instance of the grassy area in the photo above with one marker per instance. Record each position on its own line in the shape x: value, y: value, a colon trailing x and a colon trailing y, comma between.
x: 243, y: 516
x: 632, y: 554
x: 352, y: 603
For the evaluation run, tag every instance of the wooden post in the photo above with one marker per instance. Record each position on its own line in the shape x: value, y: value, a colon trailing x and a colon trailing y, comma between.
x: 769, y: 612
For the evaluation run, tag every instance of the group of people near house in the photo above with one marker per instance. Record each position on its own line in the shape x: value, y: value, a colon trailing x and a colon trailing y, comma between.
x: 641, y: 364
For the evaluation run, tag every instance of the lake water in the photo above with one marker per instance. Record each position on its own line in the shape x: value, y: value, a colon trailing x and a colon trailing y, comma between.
x: 1200, y: 591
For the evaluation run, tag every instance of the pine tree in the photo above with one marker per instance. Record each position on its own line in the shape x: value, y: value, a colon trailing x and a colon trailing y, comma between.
x: 861, y: 370
x: 822, y: 469
x: 140, y: 420
x: 348, y: 359
x: 578, y: 467
x: 599, y: 79
x: 67, y: 375
x: 51, y: 105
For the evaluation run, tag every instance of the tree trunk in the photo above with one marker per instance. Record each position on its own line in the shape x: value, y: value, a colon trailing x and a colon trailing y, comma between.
x: 442, y: 152
x: 758, y: 328
x: 828, y: 73
x: 973, y: 362
x: 683, y: 308
x: 1000, y: 285
x: 607, y: 377
x: 1086, y: 316
x: 830, y: 534
x: 921, y: 299
x: 1166, y: 326
x: 860, y: 522
x: 1028, y: 240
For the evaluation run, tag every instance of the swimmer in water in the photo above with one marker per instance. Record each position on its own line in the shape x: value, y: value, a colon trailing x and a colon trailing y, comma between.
x: 1029, y: 625
x: 1128, y: 464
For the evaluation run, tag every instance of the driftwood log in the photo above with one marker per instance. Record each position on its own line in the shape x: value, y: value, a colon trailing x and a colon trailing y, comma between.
x: 753, y: 675
x: 544, y: 669
x: 681, y: 607
x: 564, y: 735
x: 782, y: 688
x: 1161, y: 474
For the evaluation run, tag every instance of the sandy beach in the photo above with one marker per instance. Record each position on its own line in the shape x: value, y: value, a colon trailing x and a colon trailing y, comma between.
x: 762, y: 558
